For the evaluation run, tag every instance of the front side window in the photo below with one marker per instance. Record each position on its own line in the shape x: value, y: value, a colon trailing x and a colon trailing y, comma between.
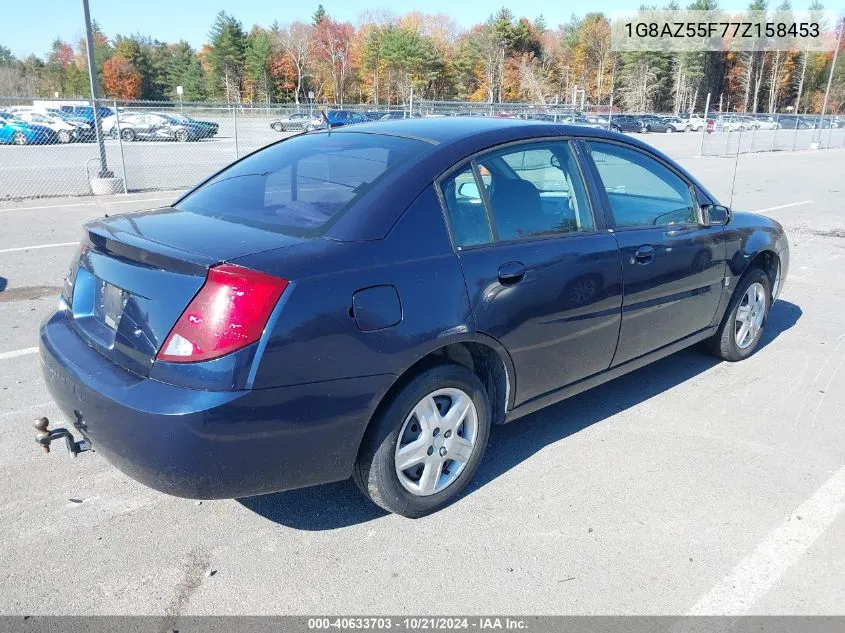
x: 642, y: 191
x: 301, y: 185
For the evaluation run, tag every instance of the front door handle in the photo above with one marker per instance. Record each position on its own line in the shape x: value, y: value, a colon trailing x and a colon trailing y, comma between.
x: 644, y: 255
x: 511, y: 272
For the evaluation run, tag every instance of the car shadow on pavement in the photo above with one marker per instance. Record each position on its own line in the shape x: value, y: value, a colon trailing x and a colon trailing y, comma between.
x: 340, y: 504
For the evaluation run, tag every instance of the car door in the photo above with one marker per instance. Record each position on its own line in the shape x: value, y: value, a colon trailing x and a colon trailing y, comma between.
x: 542, y: 273
x: 673, y: 266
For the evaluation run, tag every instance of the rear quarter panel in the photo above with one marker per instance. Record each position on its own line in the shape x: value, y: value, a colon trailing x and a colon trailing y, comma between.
x: 316, y: 337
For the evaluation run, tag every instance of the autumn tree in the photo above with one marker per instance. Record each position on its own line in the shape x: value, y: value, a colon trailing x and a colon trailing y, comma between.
x: 121, y: 79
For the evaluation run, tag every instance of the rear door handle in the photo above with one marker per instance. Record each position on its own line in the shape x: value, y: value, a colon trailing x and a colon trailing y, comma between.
x: 644, y: 255
x: 511, y: 272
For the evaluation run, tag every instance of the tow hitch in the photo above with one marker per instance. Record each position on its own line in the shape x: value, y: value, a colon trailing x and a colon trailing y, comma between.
x: 44, y: 436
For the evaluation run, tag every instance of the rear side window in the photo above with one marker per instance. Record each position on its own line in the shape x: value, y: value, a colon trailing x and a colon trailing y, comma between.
x: 523, y: 192
x: 304, y: 184
x: 641, y: 191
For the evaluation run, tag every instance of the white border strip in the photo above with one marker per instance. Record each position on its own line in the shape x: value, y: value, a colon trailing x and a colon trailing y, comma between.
x: 758, y: 572
x: 783, y: 206
x: 30, y: 248
x: 18, y: 352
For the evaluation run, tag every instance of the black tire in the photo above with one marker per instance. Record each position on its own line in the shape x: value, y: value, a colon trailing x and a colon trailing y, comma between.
x: 375, y: 471
x: 669, y: 130
x: 277, y: 126
x: 127, y: 134
x: 20, y: 139
x: 182, y: 136
x: 723, y: 343
x: 616, y: 128
x: 64, y: 136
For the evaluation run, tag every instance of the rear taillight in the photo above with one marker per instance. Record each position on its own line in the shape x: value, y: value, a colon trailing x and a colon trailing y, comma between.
x: 70, y: 276
x: 228, y: 313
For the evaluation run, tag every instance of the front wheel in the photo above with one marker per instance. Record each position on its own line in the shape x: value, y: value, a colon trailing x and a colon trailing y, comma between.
x: 669, y: 130
x: 425, y: 446
x: 64, y: 136
x: 20, y: 139
x: 742, y: 327
x: 182, y: 135
x: 127, y: 134
x: 277, y: 126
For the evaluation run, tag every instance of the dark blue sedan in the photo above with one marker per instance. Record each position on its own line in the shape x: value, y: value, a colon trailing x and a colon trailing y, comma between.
x: 369, y: 301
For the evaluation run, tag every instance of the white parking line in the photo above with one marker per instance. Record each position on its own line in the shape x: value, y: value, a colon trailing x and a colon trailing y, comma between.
x: 29, y: 248
x: 782, y: 206
x: 18, y: 352
x: 759, y: 571
x: 86, y: 204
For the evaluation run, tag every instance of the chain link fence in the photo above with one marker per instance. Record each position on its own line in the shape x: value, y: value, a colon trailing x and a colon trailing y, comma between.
x: 741, y: 134
x: 49, y: 147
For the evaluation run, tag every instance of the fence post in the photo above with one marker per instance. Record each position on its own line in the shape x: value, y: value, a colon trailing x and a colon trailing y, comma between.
x: 795, y: 135
x: 235, y: 125
x: 775, y: 134
x: 120, y: 147
x: 704, y: 127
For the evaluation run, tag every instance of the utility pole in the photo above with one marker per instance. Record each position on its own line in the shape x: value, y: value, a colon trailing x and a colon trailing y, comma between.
x: 832, y: 68
x: 92, y: 78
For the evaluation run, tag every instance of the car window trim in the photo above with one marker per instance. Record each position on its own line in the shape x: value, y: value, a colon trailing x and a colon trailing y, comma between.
x: 611, y: 220
x: 572, y: 141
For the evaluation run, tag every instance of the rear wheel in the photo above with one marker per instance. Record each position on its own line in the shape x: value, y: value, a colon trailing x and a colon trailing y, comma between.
x: 20, y: 139
x: 426, y: 445
x: 669, y: 130
x: 64, y: 136
x: 181, y: 135
x: 742, y: 327
x: 277, y: 126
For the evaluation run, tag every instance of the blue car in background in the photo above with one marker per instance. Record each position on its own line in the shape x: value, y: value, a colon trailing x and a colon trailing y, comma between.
x: 86, y: 113
x: 18, y: 132
x: 339, y: 118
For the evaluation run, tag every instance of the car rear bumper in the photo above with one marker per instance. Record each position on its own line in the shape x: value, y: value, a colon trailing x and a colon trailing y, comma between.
x: 207, y: 444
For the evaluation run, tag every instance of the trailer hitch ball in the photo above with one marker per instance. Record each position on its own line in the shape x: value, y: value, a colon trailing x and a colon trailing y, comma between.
x: 44, y: 436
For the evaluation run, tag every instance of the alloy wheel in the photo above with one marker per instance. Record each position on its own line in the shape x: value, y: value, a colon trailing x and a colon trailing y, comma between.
x: 750, y: 315
x: 436, y: 441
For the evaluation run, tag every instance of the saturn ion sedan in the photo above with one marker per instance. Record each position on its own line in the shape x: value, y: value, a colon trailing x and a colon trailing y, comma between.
x: 369, y: 301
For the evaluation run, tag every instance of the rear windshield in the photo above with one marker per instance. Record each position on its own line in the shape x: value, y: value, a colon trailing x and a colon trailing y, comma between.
x: 302, y: 185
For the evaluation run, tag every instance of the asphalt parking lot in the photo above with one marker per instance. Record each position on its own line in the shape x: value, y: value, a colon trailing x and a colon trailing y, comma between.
x: 690, y: 486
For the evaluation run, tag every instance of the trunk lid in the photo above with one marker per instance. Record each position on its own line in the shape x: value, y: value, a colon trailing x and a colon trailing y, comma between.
x: 141, y: 270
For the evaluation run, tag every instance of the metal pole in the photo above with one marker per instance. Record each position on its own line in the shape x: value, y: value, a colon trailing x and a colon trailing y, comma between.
x: 120, y: 146
x: 411, y: 103
x: 704, y: 127
x: 736, y: 166
x: 235, y: 124
x: 92, y: 78
x: 832, y: 68
x: 775, y: 134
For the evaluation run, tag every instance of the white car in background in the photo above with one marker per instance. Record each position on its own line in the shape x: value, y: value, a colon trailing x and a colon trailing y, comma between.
x: 696, y: 121
x: 767, y: 123
x: 66, y: 132
x: 677, y: 123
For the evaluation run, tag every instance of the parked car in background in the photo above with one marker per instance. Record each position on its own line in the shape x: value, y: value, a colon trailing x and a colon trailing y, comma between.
x: 578, y: 119
x: 627, y: 123
x: 793, y: 122
x: 735, y: 123
x: 85, y: 113
x: 677, y: 124
x: 196, y: 129
x: 654, y: 123
x: 767, y: 122
x: 85, y: 130
x: 158, y: 127
x: 276, y: 327
x: 337, y: 118
x: 296, y: 122
x: 696, y: 121
x: 18, y: 132
x: 65, y: 131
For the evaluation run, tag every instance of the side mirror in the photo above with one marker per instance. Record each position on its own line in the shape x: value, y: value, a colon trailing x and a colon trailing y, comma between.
x: 468, y: 190
x: 716, y: 214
